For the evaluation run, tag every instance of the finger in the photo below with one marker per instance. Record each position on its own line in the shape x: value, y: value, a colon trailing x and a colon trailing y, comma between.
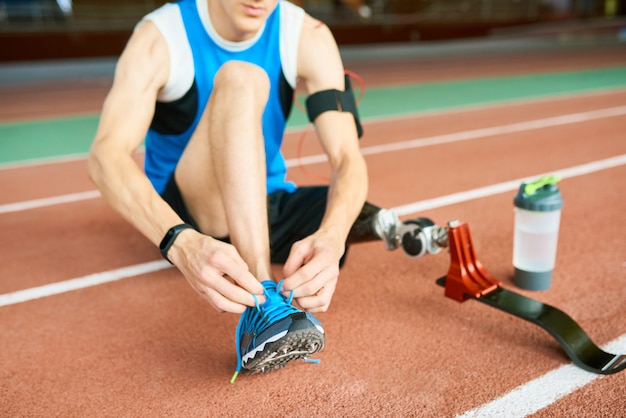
x: 234, y: 267
x: 215, y: 299
x: 213, y: 281
x: 297, y: 258
x: 302, y: 277
x: 316, y: 292
x: 245, y: 280
x: 222, y: 304
x: 316, y: 274
x: 319, y: 302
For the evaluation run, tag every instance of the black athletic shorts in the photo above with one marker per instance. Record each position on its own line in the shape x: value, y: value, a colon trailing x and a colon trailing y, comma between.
x: 292, y: 216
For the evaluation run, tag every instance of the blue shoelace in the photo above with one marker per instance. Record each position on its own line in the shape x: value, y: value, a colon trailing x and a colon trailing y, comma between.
x: 256, y: 320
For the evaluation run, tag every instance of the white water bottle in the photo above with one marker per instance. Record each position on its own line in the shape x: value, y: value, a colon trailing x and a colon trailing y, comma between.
x: 537, y: 218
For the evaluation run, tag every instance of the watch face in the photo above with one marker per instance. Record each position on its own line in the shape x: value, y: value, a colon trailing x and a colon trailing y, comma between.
x: 169, y: 238
x: 166, y: 239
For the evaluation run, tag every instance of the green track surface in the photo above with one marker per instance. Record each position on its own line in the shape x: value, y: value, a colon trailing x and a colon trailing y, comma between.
x: 52, y: 138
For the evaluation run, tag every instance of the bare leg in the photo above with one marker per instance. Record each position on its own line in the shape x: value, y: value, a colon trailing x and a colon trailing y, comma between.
x: 221, y: 174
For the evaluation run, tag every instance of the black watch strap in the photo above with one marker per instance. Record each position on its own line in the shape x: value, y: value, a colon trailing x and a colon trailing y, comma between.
x: 170, y: 237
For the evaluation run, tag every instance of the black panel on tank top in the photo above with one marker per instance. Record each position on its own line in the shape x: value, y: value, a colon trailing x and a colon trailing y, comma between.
x: 172, y: 118
x: 285, y: 92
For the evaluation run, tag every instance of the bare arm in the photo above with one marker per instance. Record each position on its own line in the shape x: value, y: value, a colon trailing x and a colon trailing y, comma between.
x: 128, y: 110
x: 312, y: 268
x: 126, y: 116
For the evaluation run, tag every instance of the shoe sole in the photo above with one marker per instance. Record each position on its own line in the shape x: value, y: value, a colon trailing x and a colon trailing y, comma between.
x: 299, y: 343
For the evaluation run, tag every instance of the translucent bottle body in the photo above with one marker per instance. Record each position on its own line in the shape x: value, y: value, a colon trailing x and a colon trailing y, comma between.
x: 534, y: 247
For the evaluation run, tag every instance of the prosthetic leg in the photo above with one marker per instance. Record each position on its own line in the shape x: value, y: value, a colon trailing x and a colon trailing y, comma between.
x: 468, y: 279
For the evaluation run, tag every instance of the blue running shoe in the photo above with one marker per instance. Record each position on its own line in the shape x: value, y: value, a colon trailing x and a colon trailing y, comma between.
x: 274, y: 333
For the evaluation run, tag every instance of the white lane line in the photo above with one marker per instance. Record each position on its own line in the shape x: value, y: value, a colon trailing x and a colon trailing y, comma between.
x: 48, y: 201
x: 506, y: 186
x: 37, y: 162
x: 377, y: 149
x: 542, y: 391
x: 475, y: 134
x: 81, y: 282
x: 498, y: 130
x: 416, y: 207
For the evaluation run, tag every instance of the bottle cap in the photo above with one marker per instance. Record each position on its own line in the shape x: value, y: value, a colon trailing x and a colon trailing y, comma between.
x: 541, y: 195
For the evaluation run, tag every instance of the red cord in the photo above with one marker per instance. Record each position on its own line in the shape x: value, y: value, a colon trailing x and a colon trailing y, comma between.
x: 361, y: 84
x: 302, y: 166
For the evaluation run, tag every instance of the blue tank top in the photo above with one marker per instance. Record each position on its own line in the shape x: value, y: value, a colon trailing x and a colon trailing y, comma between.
x: 174, y: 122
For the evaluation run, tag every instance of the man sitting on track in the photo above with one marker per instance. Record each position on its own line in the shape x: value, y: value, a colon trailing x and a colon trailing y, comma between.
x: 209, y: 84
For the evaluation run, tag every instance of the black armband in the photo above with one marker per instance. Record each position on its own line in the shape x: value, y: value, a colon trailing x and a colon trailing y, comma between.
x: 326, y: 100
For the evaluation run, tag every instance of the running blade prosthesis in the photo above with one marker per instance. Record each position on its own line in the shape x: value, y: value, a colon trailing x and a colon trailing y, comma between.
x: 468, y: 279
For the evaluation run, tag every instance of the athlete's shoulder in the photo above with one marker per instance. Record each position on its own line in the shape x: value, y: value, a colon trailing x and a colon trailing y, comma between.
x: 319, y: 60
x: 166, y: 18
x: 315, y: 32
x: 165, y: 21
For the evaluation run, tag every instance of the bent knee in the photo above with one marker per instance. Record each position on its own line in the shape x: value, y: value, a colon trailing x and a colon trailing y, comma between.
x: 242, y: 75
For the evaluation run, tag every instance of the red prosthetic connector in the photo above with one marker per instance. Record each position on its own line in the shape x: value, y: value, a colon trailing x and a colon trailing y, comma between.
x: 466, y: 276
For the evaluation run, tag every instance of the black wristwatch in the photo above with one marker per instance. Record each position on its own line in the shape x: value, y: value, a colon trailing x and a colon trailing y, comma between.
x: 170, y: 237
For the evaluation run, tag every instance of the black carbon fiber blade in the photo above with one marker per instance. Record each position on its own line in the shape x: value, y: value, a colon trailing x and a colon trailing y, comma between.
x: 576, y: 343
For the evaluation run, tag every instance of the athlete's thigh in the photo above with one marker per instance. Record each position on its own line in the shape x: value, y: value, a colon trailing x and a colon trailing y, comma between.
x: 198, y: 184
